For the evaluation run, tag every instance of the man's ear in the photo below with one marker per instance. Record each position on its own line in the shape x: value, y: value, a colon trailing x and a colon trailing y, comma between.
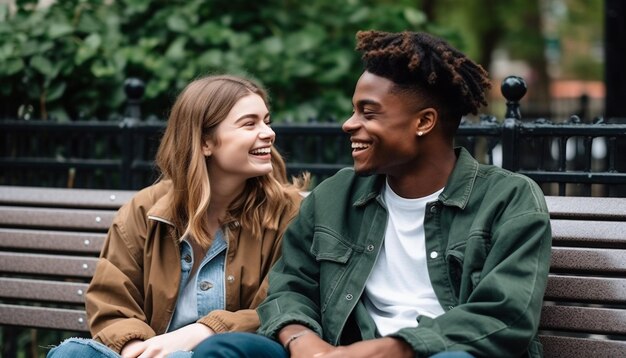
x: 207, y: 147
x: 426, y: 119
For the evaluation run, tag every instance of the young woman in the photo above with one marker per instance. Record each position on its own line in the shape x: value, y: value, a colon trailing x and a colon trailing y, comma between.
x: 188, y: 257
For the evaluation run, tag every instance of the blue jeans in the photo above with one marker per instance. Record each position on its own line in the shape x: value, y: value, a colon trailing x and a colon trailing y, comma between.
x: 250, y: 345
x: 239, y: 345
x: 88, y: 348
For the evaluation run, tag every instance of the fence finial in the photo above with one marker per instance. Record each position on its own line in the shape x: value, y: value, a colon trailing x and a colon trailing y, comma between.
x: 513, y: 89
x: 134, y: 89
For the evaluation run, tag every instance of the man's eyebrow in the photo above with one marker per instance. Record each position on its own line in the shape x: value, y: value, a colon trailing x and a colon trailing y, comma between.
x: 365, y: 102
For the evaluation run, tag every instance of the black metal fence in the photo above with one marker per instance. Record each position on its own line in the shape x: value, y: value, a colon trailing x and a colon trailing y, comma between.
x: 571, y: 158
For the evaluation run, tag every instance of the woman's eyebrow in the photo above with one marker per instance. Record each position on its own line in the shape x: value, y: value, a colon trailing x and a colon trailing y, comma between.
x: 251, y: 115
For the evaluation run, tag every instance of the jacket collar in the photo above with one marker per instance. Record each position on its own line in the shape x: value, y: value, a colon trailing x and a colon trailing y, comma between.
x: 163, y: 209
x: 457, y: 190
x: 369, y: 190
x: 461, y: 181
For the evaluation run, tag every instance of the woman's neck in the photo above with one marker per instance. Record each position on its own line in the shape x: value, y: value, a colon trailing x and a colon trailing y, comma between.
x: 223, y: 193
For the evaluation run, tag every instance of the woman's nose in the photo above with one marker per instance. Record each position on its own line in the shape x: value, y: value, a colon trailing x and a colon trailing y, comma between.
x: 267, y: 133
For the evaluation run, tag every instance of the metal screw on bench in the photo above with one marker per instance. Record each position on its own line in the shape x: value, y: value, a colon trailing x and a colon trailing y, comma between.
x: 86, y: 242
x: 112, y: 197
x: 79, y: 292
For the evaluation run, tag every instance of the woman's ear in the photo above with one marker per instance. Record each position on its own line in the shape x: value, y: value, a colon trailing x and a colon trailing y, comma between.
x: 426, y: 120
x: 207, y: 147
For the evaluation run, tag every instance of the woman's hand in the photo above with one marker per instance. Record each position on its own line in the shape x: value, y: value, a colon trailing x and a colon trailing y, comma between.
x: 182, y: 339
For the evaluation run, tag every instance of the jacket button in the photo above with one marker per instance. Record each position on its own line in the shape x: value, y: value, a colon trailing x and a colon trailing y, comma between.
x: 187, y: 258
x: 433, y: 255
x: 230, y: 278
x: 349, y: 297
x: 205, y: 285
x: 370, y: 248
x: 433, y: 209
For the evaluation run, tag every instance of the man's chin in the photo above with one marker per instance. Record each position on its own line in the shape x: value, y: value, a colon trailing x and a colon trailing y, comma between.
x: 363, y: 172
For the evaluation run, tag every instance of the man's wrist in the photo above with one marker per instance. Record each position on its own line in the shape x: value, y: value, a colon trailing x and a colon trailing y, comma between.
x: 295, y: 336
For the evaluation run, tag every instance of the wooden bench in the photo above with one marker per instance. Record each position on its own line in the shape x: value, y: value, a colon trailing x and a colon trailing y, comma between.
x: 49, y: 245
x: 50, y: 240
x: 584, y: 312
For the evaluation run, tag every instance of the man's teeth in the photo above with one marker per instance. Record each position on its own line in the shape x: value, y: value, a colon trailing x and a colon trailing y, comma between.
x: 356, y: 145
x: 261, y: 151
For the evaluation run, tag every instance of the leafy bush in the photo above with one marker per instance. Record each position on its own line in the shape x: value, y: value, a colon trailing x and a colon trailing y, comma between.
x: 68, y: 61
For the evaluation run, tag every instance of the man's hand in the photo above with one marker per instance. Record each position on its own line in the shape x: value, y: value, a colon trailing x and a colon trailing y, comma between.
x: 374, y: 348
x: 182, y: 339
x: 307, y: 345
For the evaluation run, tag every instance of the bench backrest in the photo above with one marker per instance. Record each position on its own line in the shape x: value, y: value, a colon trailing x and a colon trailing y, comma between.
x: 50, y: 240
x: 585, y: 301
x: 49, y: 245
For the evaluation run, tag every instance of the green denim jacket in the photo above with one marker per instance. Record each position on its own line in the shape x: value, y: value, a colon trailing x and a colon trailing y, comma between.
x: 488, y: 243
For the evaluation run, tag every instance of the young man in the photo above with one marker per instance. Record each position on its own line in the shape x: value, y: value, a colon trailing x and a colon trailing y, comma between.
x: 419, y: 249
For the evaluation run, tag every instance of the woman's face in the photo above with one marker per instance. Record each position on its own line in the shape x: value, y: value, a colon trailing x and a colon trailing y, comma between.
x: 243, y: 141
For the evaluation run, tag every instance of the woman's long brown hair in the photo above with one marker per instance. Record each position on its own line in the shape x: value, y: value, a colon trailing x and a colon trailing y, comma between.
x: 198, y: 110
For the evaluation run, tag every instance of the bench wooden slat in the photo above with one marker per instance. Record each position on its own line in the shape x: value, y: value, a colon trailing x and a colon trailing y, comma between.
x: 580, y: 208
x: 588, y: 260
x: 56, y: 218
x: 558, y: 346
x: 588, y: 232
x: 43, y: 317
x: 583, y: 319
x: 586, y: 289
x: 61, y: 265
x: 58, y: 197
x: 43, y: 290
x: 51, y: 240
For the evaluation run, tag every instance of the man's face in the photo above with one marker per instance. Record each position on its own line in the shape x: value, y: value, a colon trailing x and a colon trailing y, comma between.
x: 382, y: 128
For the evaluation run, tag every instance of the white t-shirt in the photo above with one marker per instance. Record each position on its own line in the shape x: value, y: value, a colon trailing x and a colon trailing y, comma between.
x: 399, y: 288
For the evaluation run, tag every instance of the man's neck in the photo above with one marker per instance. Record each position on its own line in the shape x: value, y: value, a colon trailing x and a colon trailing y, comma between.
x: 428, y: 177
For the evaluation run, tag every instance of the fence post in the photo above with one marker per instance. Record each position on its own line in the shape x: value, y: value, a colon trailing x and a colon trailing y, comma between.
x: 513, y: 88
x: 134, y: 89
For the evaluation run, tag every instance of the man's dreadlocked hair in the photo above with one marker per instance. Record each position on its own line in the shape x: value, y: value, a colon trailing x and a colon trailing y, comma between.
x: 421, y: 63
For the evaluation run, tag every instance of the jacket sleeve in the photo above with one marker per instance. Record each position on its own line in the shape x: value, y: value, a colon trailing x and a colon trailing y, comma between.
x: 501, y: 314
x: 246, y: 319
x: 114, y: 299
x: 294, y: 280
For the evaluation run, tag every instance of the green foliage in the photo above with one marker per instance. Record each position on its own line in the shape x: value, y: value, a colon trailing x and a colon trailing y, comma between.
x: 60, y: 59
x: 69, y: 61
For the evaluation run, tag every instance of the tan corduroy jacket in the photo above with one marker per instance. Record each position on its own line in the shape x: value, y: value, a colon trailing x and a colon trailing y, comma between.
x: 134, y: 289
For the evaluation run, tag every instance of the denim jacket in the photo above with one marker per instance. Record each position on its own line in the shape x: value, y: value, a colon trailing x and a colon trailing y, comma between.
x: 488, y: 244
